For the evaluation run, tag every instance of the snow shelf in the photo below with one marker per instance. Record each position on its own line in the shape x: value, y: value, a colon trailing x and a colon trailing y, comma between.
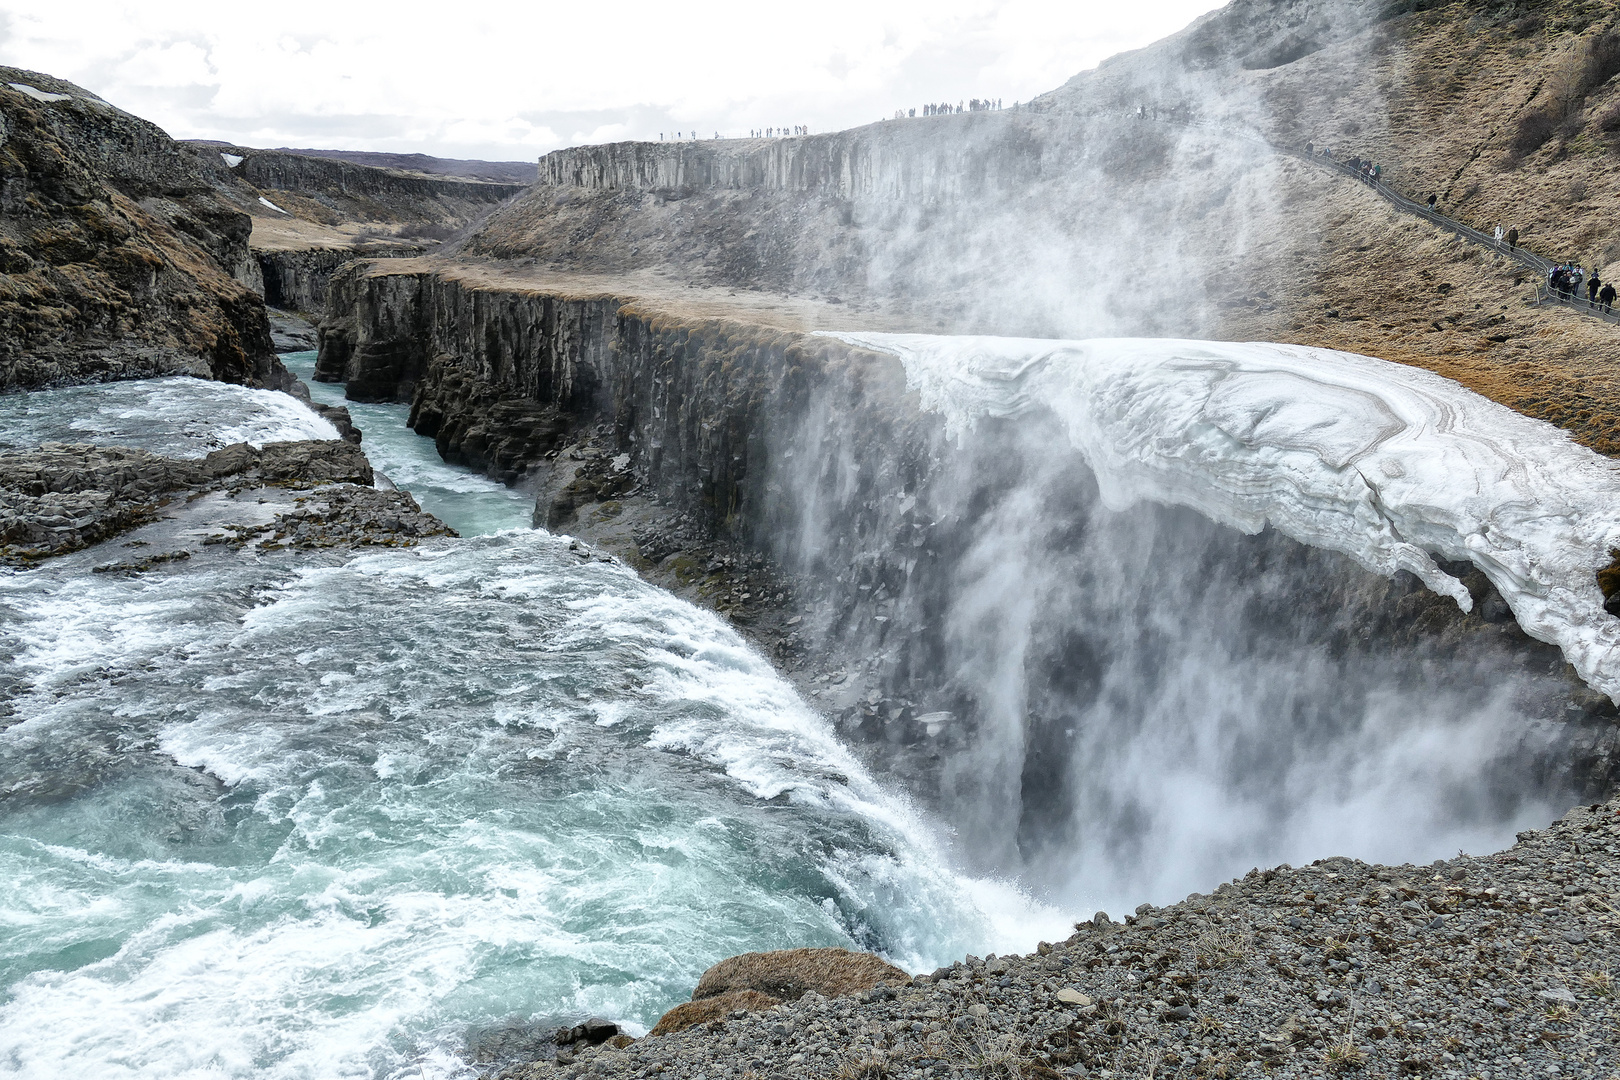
x: 1389, y: 464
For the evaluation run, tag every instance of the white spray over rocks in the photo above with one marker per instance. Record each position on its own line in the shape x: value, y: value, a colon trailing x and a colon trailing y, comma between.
x: 1388, y: 464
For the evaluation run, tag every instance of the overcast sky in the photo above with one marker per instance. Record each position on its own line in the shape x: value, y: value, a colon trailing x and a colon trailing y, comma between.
x: 503, y: 81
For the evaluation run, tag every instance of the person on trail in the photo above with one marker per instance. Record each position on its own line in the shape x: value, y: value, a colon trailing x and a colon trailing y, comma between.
x: 1576, y: 276
x: 1498, y: 236
x: 1432, y: 200
x: 1513, y: 239
x: 1606, y: 296
x: 1378, y: 174
x: 1592, y: 284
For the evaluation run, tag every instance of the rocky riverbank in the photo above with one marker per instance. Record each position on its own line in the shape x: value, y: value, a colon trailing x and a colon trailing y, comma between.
x: 64, y: 497
x: 1491, y: 966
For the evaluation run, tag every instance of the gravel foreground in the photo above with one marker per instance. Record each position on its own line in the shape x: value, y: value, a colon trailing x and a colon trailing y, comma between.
x: 1502, y: 966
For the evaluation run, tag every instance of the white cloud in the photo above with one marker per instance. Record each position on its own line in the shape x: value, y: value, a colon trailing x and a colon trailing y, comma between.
x: 513, y: 80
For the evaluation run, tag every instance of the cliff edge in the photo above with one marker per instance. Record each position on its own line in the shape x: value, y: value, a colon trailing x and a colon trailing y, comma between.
x: 121, y: 255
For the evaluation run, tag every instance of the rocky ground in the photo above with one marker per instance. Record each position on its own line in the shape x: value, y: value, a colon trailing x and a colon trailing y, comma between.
x: 64, y: 497
x: 1492, y: 967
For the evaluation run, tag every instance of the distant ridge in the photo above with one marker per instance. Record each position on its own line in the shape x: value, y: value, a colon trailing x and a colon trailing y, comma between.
x: 505, y: 172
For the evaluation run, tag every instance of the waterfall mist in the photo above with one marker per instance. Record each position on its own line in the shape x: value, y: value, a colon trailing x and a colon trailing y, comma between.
x: 1120, y: 706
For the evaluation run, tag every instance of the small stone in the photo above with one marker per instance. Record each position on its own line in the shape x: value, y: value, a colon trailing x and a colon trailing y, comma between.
x: 1500, y: 1003
x: 1070, y: 996
x: 1178, y: 1013
x: 1574, y: 937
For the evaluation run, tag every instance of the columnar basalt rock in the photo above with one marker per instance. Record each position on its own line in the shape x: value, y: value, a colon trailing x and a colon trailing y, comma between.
x: 297, y: 279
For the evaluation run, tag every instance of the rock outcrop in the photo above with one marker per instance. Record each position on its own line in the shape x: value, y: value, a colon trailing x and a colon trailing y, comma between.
x: 121, y: 255
x: 63, y: 497
x: 296, y: 279
x: 1143, y: 198
x: 359, y: 192
x: 755, y: 981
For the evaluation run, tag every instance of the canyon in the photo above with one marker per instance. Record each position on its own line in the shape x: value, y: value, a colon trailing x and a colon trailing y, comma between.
x: 815, y: 386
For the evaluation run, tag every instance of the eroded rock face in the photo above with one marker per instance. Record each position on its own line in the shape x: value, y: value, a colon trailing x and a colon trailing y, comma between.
x: 120, y: 256
x: 297, y: 280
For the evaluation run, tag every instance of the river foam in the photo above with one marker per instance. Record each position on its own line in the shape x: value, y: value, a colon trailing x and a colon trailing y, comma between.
x: 1391, y: 465
x: 180, y: 417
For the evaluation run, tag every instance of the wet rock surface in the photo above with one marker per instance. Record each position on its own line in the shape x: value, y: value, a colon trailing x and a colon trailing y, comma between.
x: 1495, y: 966
x: 63, y: 497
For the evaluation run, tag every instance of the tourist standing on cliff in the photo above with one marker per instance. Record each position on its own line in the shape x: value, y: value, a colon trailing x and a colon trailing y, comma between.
x: 1592, y: 284
x: 1498, y: 237
x: 1606, y: 297
x: 1432, y: 200
x: 1513, y: 238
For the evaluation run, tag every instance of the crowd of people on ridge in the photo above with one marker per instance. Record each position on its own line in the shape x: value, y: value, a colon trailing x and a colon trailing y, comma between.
x: 945, y: 108
x: 761, y: 133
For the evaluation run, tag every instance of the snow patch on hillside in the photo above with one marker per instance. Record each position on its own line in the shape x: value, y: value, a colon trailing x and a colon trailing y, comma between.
x: 37, y: 94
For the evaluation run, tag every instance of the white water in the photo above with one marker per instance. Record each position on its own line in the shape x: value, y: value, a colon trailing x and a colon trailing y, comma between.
x: 1389, y: 464
x: 180, y: 417
x: 468, y: 502
x: 284, y: 816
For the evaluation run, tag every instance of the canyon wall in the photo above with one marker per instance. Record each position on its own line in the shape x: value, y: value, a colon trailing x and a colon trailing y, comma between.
x: 121, y: 253
x: 970, y: 154
x: 1138, y: 695
x: 296, y: 279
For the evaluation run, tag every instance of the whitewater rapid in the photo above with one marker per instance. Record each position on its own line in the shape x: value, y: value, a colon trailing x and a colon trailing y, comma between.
x: 293, y: 815
x: 1391, y: 465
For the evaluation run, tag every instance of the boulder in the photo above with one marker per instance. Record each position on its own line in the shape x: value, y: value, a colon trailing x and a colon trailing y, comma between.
x: 789, y: 974
x: 693, y: 1013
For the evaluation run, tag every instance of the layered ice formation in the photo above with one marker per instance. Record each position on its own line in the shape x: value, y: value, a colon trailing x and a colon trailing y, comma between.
x: 1392, y: 465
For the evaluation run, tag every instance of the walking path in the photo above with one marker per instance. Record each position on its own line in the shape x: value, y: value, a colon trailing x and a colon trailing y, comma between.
x: 1530, y: 260
x: 1541, y: 266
